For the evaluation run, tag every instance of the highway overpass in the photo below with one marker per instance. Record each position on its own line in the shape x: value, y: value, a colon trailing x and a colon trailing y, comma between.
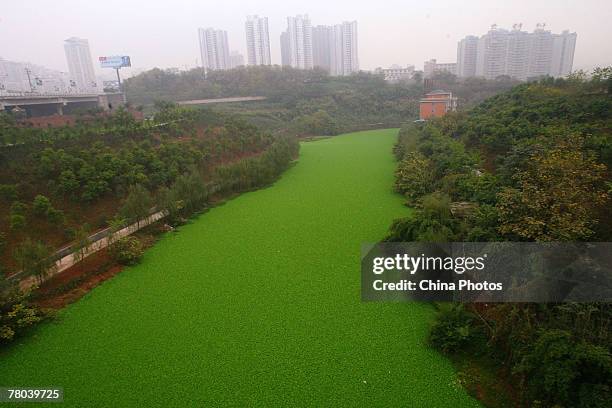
x: 45, y: 104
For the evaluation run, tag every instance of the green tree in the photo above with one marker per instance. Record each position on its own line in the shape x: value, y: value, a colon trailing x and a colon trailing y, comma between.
x: 41, y: 206
x: 115, y: 225
x: 413, y: 176
x: 556, y: 196
x: 81, y: 242
x: 137, y: 205
x: 34, y: 258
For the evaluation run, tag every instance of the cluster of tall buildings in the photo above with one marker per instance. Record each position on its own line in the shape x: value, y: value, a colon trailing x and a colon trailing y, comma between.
x: 516, y: 53
x: 22, y: 77
x: 332, y: 48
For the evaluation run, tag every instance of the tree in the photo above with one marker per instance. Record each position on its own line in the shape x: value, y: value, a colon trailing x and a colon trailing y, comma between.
x: 137, y: 205
x: 557, y: 194
x: 116, y: 224
x: 189, y: 192
x: 81, y: 243
x: 413, y: 176
x: 34, y: 258
x: 41, y: 206
x: 68, y: 182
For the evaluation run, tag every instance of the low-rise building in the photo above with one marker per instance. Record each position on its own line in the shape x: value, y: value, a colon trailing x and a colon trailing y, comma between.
x: 432, y: 67
x: 396, y: 73
x: 436, y: 104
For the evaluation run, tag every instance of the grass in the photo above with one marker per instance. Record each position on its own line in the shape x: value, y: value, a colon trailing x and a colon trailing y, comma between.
x: 255, y: 303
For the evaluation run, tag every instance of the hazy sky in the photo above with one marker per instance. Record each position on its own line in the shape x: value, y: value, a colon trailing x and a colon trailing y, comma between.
x: 163, y: 33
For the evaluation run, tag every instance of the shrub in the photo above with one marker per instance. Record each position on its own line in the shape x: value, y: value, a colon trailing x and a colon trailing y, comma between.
x: 16, y: 314
x: 561, y: 371
x: 413, y: 176
x: 19, y: 208
x: 17, y: 222
x: 126, y: 250
x: 453, y: 329
x: 8, y: 192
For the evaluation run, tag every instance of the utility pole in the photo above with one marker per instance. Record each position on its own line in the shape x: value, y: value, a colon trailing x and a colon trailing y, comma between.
x: 28, y: 72
x: 118, y: 79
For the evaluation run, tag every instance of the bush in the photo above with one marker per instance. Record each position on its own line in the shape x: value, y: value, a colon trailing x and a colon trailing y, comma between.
x: 453, y: 329
x: 17, y: 222
x: 561, y: 371
x: 8, y: 192
x: 413, y: 176
x: 127, y: 250
x: 16, y: 314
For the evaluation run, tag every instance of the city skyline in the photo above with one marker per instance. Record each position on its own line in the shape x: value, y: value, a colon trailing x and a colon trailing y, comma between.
x: 412, y: 33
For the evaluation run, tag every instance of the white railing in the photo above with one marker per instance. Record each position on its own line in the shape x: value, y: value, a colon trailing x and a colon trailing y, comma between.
x: 70, y: 259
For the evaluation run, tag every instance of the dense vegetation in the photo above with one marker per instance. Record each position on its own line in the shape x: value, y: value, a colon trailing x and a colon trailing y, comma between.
x: 307, y: 102
x: 532, y: 164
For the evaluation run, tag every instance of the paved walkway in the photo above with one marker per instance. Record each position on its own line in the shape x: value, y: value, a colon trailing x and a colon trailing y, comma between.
x: 100, y: 240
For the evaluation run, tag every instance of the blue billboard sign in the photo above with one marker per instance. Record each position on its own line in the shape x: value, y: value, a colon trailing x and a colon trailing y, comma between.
x: 117, y: 61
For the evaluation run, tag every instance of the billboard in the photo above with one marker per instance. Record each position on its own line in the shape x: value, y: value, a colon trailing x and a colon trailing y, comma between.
x: 117, y: 61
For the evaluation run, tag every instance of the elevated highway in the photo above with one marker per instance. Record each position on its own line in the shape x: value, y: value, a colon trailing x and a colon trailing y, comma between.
x: 55, y: 104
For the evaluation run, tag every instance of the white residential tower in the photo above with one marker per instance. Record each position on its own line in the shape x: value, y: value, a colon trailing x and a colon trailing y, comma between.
x: 80, y: 65
x: 214, y: 49
x: 258, y: 40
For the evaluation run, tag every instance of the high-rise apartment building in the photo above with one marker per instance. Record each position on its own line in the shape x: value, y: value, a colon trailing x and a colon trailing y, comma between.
x: 258, y: 40
x: 516, y: 53
x: 540, y: 53
x: 491, y: 54
x: 80, y: 65
x: 285, y: 50
x: 322, y: 46
x: 564, y: 45
x: 335, y: 48
x: 214, y: 49
x: 298, y: 44
x: 466, y: 56
x: 350, y: 56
